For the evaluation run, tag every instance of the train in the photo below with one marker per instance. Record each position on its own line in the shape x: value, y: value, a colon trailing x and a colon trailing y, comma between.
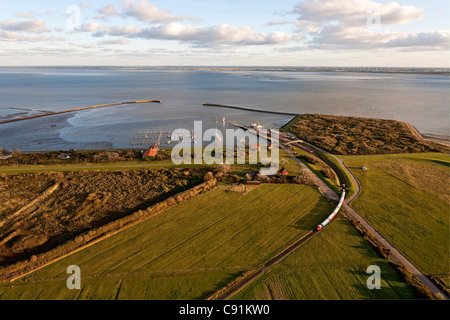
x: 335, y: 211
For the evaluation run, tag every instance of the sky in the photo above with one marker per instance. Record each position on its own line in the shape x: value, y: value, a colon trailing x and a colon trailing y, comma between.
x: 372, y: 33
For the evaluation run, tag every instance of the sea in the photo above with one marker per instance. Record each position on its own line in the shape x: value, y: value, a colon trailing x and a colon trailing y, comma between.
x: 420, y: 99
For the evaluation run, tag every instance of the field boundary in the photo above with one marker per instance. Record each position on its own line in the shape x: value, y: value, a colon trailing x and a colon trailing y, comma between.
x: 412, y: 279
x: 35, y: 201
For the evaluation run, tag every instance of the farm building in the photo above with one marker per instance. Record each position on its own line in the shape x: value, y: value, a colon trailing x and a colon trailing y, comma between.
x: 282, y: 172
x: 256, y: 126
x: 150, y: 153
x: 63, y: 156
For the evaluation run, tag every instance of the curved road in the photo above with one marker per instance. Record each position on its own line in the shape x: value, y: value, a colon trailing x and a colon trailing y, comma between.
x: 396, y: 255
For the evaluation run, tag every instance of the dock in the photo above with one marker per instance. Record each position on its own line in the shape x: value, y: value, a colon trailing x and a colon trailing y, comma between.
x: 248, y: 109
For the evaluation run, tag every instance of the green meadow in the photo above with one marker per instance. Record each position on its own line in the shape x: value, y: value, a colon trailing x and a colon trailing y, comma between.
x: 406, y: 197
x: 332, y: 265
x: 186, y: 252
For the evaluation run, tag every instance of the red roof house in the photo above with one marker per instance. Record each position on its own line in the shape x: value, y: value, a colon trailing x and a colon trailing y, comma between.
x: 282, y: 172
x: 151, y: 152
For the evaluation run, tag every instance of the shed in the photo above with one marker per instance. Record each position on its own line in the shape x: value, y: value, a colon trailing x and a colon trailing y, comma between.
x: 282, y: 172
x: 63, y: 156
x: 150, y: 153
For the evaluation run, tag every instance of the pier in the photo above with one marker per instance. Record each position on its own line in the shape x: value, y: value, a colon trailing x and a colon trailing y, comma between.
x: 78, y: 109
x: 248, y: 109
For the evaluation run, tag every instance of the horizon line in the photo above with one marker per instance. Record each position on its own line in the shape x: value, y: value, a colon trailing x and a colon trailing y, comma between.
x: 216, y: 66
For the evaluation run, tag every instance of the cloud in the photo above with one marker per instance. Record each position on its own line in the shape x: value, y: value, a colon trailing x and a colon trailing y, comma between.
x: 119, y: 31
x: 32, y: 14
x: 197, y: 35
x: 120, y: 41
x: 440, y: 39
x: 33, y: 26
x: 91, y: 27
x: 106, y: 12
x: 277, y: 22
x: 29, y: 14
x: 143, y: 10
x: 355, y: 12
x: 213, y: 35
x: 100, y: 30
x: 348, y: 25
x: 84, y: 5
x: 335, y: 37
x: 11, y: 36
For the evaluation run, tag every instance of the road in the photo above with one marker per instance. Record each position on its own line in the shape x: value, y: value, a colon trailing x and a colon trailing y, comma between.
x: 396, y: 255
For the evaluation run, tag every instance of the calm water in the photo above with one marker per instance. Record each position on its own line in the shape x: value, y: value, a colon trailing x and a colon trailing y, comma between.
x: 422, y: 100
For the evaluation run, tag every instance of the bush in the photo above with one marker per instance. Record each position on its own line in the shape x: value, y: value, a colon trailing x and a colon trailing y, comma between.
x: 358, y: 136
x: 208, y: 176
x: 329, y: 173
x: 224, y: 168
x: 306, y: 177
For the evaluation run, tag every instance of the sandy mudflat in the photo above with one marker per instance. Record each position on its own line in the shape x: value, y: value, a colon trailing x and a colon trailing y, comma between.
x: 43, y: 134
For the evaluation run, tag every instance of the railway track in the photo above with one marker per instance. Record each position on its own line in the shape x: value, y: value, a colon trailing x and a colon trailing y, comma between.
x: 397, y: 256
x: 233, y: 289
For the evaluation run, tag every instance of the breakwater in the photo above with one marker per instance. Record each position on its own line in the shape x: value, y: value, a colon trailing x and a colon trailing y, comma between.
x: 248, y: 109
x: 77, y: 109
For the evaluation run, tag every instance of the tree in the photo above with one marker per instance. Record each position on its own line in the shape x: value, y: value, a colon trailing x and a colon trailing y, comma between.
x: 4, y: 151
x: 16, y: 152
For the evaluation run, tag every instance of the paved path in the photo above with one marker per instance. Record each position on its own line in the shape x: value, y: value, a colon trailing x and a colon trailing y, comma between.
x: 396, y: 256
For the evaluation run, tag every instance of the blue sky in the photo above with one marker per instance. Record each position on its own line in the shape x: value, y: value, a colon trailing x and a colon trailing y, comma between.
x: 226, y: 33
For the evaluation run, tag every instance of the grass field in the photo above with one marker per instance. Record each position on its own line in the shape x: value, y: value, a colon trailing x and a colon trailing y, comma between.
x: 333, y: 184
x: 239, y: 169
x: 290, y: 165
x: 332, y: 265
x: 406, y: 198
x: 187, y: 252
x: 41, y: 211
